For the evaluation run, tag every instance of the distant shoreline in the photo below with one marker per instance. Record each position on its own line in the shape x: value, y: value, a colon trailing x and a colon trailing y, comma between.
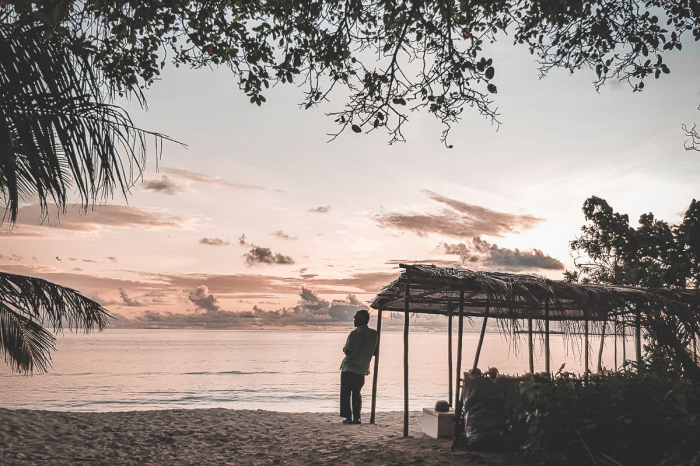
x: 469, y: 329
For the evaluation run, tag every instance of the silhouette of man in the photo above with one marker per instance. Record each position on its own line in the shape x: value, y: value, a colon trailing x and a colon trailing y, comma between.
x: 359, y: 349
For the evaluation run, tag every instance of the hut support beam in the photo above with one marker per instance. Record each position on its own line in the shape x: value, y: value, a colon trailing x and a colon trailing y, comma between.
x: 529, y: 346
x: 376, y: 367
x: 547, y: 361
x: 449, y: 356
x: 405, y: 361
x: 615, y: 341
x: 460, y: 332
x: 481, y: 338
x: 638, y: 337
x: 586, y: 350
x: 624, y: 348
x: 600, y: 350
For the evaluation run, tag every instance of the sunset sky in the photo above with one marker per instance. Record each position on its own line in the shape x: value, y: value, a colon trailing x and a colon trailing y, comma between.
x: 259, y: 204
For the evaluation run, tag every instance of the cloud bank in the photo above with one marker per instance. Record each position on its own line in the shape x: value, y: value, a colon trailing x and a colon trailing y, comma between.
x: 478, y: 253
x: 457, y: 219
x: 311, y: 311
x: 211, y: 180
x: 203, y: 299
x: 76, y: 219
x: 213, y: 241
x: 164, y: 184
x: 259, y: 255
x: 324, y: 209
x: 282, y: 235
x: 126, y: 300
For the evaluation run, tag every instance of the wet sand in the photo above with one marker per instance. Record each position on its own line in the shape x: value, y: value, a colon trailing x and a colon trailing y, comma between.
x: 220, y: 437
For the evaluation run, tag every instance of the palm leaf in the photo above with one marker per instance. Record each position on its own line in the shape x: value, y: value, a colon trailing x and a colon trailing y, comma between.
x: 58, y: 129
x: 24, y: 343
x: 27, y: 304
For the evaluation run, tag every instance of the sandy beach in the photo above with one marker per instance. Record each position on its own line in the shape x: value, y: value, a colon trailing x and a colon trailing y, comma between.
x: 219, y: 436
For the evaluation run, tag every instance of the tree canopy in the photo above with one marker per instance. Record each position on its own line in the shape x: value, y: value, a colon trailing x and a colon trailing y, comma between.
x: 367, y: 46
x: 63, y: 63
x: 653, y: 255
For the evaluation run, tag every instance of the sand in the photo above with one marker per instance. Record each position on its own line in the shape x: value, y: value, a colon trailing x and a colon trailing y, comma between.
x: 220, y: 437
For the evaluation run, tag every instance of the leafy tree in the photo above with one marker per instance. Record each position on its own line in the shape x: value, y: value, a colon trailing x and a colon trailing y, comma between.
x: 392, y: 57
x: 654, y: 255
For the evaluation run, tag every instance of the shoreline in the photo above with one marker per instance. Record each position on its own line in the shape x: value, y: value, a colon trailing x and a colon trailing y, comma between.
x: 220, y: 436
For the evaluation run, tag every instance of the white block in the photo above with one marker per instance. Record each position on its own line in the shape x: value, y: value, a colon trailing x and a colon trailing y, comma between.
x: 438, y: 425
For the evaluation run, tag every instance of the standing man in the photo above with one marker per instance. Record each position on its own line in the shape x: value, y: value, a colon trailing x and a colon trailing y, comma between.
x: 359, y: 349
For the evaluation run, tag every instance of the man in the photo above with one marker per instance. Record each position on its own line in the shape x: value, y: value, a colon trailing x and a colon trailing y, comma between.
x: 359, y: 349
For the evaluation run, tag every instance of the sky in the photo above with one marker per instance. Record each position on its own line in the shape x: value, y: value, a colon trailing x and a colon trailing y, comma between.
x: 260, y: 219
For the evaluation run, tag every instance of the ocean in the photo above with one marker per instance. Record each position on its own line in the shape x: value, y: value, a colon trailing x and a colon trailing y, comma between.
x: 292, y: 371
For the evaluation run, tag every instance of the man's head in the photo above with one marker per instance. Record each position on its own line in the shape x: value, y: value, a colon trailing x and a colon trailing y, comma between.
x: 361, y: 317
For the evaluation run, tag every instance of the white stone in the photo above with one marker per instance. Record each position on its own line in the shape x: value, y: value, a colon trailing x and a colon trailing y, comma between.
x: 438, y: 425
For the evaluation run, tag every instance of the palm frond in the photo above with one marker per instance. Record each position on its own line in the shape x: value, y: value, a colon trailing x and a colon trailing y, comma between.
x: 25, y: 344
x: 58, y: 129
x: 27, y: 304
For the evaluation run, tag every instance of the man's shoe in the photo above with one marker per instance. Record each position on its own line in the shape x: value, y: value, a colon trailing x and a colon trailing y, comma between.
x: 357, y: 421
x: 347, y: 421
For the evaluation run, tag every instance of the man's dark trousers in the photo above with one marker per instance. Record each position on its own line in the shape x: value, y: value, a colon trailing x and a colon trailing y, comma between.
x: 350, y: 386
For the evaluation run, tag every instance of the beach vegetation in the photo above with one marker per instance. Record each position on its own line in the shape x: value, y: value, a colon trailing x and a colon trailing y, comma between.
x: 656, y: 254
x: 646, y: 414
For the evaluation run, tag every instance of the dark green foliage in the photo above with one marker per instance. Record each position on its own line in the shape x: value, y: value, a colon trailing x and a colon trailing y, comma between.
x: 654, y: 255
x: 58, y: 131
x: 642, y: 416
x: 26, y: 305
x: 367, y: 47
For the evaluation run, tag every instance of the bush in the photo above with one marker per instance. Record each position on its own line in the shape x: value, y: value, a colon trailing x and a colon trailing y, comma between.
x: 648, y: 414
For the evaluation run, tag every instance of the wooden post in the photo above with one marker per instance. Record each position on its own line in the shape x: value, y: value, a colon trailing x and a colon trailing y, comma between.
x: 529, y: 346
x: 405, y: 361
x: 449, y: 355
x: 615, y: 341
x: 600, y: 351
x: 638, y: 337
x: 624, y: 338
x: 546, y: 337
x: 695, y: 349
x: 481, y: 338
x: 586, y: 350
x: 376, y: 367
x: 460, y: 330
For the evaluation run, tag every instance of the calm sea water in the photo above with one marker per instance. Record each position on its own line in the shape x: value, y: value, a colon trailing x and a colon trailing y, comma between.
x: 294, y: 371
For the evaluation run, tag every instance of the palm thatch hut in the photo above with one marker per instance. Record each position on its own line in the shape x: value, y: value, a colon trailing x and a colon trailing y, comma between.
x: 672, y: 316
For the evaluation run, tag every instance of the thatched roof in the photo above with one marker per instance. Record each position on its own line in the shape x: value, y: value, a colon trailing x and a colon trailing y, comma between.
x: 435, y: 290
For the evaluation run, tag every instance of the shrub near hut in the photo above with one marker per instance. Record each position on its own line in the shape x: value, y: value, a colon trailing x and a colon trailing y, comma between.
x: 645, y: 415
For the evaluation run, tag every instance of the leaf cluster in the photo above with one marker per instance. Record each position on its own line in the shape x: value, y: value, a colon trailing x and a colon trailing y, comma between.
x: 59, y: 130
x: 392, y: 57
x: 648, y: 414
x: 29, y: 304
x: 653, y: 255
